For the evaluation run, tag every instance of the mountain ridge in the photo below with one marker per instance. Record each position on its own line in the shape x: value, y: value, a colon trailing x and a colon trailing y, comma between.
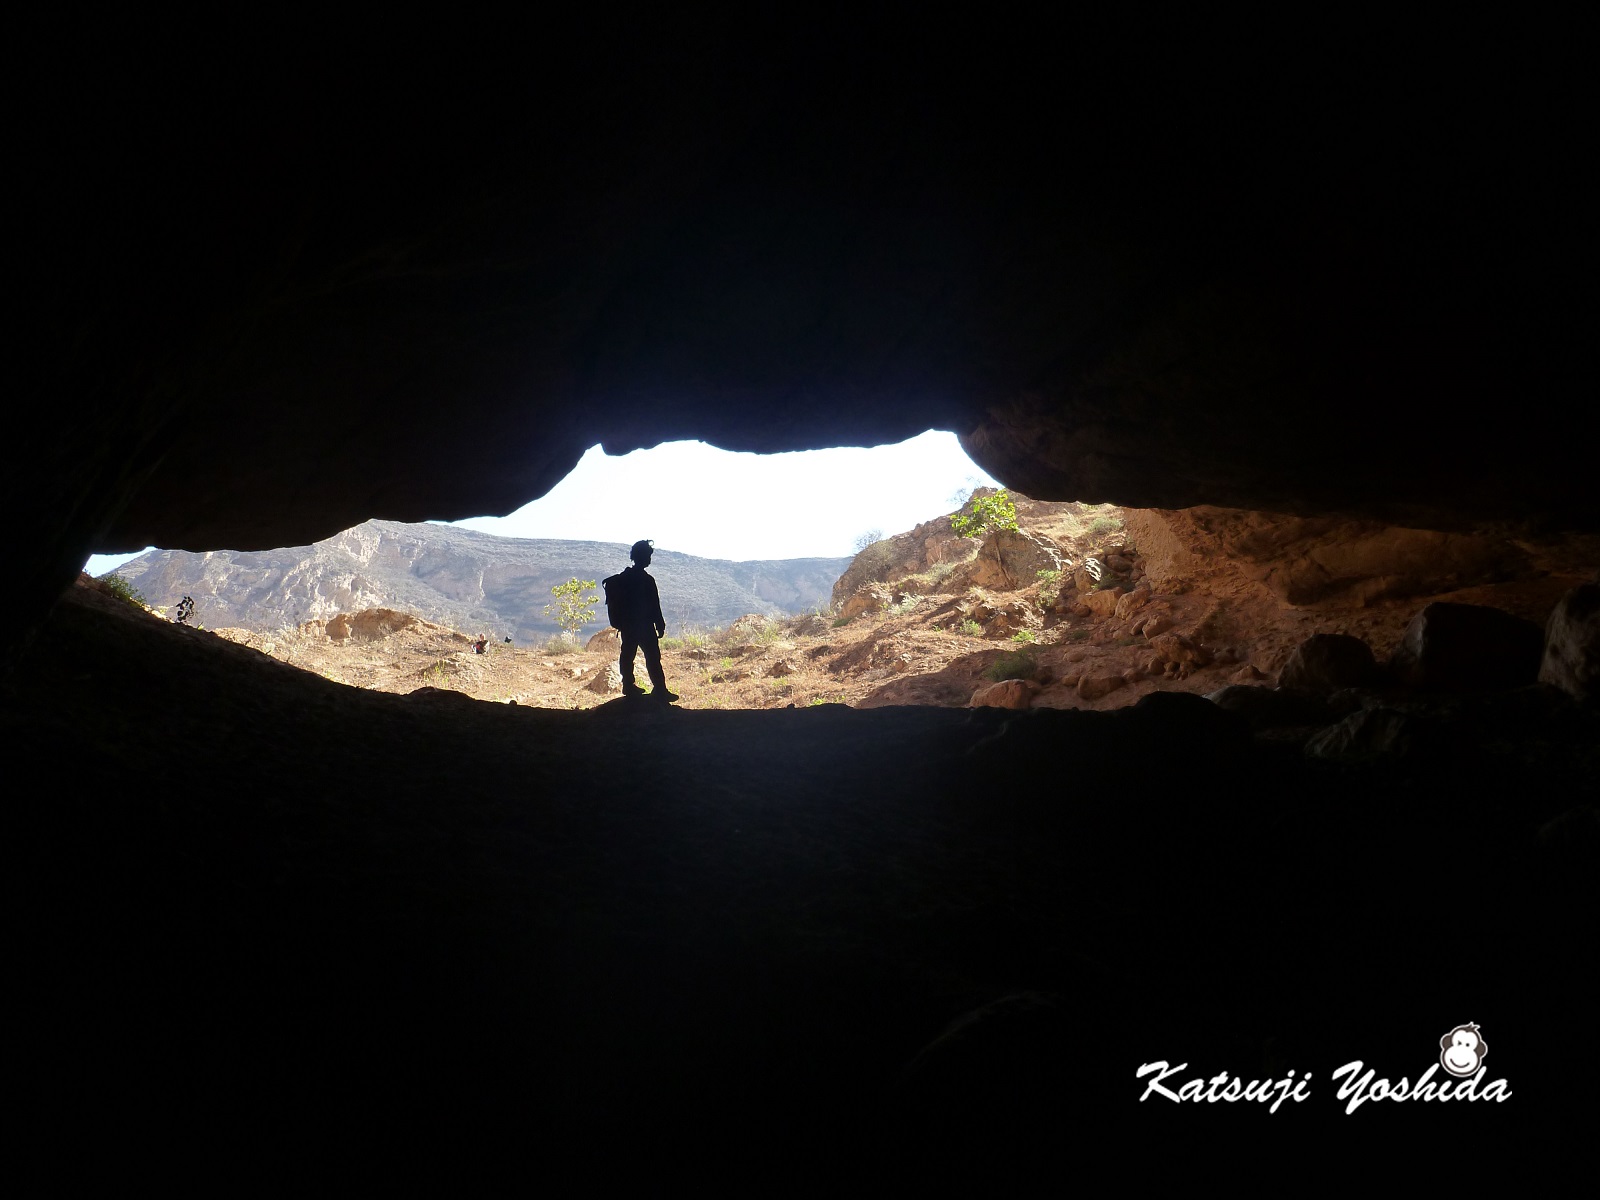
x: 462, y: 578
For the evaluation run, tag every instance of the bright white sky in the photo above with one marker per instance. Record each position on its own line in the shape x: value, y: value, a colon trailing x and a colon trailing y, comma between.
x: 696, y: 499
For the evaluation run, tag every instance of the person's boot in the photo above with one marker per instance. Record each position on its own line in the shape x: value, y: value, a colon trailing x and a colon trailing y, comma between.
x: 630, y: 688
x: 661, y: 693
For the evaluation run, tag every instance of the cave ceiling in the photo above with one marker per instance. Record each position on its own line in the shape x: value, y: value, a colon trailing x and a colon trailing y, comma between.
x: 272, y: 296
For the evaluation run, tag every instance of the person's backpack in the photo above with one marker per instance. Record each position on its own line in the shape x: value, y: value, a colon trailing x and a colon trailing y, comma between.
x: 617, y: 593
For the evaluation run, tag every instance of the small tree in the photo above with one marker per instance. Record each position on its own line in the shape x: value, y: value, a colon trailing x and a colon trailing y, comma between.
x: 987, y: 514
x: 574, y: 604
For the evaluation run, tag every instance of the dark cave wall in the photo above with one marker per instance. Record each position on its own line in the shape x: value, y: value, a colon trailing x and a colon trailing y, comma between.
x: 278, y: 289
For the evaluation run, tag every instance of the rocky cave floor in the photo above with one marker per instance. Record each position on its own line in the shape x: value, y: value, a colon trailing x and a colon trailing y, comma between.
x: 265, y: 914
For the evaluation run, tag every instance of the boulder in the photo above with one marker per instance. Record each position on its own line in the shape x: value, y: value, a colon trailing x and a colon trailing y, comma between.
x: 1154, y: 626
x: 1102, y: 602
x: 869, y: 598
x: 1328, y: 661
x: 607, y: 681
x: 1571, y: 658
x: 442, y: 695
x: 369, y: 625
x: 782, y: 667
x: 1179, y: 654
x: 1008, y: 618
x: 1191, y: 729
x: 1009, y: 693
x: 1093, y: 687
x: 607, y: 641
x: 1468, y: 647
x: 1366, y: 736
x: 1010, y: 558
x: 1271, y: 708
x: 1131, y: 602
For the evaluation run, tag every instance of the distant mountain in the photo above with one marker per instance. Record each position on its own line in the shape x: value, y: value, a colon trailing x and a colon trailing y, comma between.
x: 474, y: 582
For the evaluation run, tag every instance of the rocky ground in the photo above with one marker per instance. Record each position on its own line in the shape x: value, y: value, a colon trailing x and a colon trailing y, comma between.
x: 1073, y: 613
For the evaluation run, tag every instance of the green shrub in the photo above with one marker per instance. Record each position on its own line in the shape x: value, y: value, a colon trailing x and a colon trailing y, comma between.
x: 1049, y: 586
x: 986, y: 513
x: 838, y: 621
x: 1014, y: 664
x: 672, y: 643
x: 562, y: 643
x: 1024, y: 635
x: 116, y: 585
x: 971, y: 628
x: 1104, y: 524
x: 906, y: 605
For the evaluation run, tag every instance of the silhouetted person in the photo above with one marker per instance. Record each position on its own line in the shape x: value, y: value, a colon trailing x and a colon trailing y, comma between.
x: 185, y: 610
x: 640, y: 622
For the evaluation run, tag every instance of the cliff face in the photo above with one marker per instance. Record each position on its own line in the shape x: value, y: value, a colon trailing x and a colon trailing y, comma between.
x: 460, y: 578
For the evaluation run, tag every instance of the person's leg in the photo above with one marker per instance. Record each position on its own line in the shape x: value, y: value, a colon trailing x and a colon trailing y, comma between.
x: 630, y: 645
x: 651, y: 646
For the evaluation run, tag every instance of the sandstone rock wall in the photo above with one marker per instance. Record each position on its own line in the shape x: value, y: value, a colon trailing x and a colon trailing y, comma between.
x: 1328, y: 562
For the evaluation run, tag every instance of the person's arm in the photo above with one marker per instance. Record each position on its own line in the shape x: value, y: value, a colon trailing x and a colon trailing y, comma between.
x: 655, y: 600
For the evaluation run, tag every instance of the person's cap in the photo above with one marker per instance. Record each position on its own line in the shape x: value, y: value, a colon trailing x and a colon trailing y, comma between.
x: 639, y: 548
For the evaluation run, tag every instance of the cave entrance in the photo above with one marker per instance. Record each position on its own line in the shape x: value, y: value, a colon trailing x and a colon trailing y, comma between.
x: 786, y: 580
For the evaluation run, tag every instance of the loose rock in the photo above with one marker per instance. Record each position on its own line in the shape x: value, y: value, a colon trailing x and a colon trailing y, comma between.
x: 1009, y: 693
x: 1571, y: 658
x: 607, y: 640
x: 1180, y: 655
x: 1093, y: 687
x: 1102, y: 602
x: 1130, y: 603
x: 1468, y: 646
x: 1326, y: 661
x: 869, y: 599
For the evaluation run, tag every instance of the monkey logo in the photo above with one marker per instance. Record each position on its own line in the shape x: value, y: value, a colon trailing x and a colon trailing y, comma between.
x: 1462, y: 1050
